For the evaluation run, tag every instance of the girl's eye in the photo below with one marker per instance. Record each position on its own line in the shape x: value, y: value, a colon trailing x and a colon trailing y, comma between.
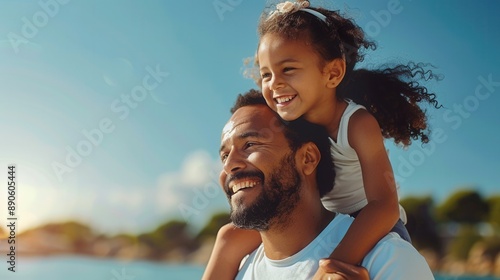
x: 265, y: 75
x: 288, y: 69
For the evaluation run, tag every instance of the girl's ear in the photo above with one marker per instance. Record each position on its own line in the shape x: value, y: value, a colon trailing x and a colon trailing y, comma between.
x: 309, y: 158
x: 334, y: 72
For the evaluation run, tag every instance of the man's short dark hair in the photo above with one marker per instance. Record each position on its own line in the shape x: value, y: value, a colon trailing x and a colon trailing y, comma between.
x: 297, y: 133
x: 251, y: 97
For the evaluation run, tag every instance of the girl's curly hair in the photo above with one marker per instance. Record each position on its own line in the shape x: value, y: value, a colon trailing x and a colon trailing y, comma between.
x: 393, y: 94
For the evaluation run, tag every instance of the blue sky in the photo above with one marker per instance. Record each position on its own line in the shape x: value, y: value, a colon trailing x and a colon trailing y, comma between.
x: 112, y: 110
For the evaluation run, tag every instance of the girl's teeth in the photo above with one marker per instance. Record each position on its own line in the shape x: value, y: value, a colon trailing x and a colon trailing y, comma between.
x: 283, y: 99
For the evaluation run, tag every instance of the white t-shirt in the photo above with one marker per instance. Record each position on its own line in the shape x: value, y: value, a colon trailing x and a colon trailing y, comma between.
x: 392, y: 258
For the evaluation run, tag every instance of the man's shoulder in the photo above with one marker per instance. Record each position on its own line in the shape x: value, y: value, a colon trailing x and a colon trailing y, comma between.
x: 304, y: 263
x: 395, y: 257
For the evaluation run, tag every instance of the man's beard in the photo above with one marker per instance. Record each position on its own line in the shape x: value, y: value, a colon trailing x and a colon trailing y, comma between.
x: 278, y: 198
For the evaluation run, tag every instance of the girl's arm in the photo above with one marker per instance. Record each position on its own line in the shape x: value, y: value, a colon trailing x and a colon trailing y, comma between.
x: 343, y: 270
x: 231, y: 246
x: 381, y: 213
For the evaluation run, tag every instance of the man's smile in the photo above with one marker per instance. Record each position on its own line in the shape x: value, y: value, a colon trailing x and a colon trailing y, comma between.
x: 235, y: 186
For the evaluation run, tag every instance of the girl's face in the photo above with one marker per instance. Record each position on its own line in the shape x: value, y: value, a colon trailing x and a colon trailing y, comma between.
x: 293, y: 81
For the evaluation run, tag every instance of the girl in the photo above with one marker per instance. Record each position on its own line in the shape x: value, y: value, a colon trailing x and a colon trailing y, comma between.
x: 306, y: 58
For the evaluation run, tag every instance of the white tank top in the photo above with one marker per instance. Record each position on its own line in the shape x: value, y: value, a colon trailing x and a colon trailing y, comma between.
x: 348, y: 194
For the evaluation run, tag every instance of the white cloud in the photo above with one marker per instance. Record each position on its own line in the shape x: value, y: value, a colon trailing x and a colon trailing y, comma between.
x: 131, y: 199
x: 198, y: 168
x: 193, y: 192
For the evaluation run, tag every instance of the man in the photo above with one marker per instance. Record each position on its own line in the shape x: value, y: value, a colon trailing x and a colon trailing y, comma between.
x: 274, y: 174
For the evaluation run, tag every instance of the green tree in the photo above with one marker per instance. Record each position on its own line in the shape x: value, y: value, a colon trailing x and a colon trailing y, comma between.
x: 494, y: 215
x: 421, y: 223
x: 169, y: 236
x: 463, y: 242
x: 212, y: 227
x: 492, y: 247
x: 464, y: 206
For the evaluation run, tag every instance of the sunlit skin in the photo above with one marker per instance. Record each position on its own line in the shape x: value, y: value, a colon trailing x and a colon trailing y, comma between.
x: 292, y: 70
x: 250, y: 145
x: 242, y: 144
x: 297, y: 82
x: 239, y: 139
x: 251, y: 140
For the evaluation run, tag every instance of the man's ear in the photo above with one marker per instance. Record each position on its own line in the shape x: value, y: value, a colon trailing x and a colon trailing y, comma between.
x: 309, y: 158
x: 334, y: 72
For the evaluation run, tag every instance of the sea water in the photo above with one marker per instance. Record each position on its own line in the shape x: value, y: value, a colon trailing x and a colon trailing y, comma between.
x: 84, y: 268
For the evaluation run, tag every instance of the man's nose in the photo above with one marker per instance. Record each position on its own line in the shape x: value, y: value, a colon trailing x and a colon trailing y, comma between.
x: 234, y: 162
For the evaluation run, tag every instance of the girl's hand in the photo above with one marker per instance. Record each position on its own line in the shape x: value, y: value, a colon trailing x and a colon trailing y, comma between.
x: 331, y: 269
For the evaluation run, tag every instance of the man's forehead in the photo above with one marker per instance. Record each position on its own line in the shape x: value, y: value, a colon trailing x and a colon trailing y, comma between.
x: 254, y: 117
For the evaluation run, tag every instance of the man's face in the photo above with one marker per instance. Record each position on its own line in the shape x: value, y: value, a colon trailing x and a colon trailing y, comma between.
x: 259, y: 174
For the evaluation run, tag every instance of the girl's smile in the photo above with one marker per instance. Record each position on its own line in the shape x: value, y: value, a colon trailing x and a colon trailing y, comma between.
x: 293, y: 81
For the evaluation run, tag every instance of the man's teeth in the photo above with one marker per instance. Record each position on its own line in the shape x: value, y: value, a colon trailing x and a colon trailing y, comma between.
x: 243, y: 185
x: 284, y: 99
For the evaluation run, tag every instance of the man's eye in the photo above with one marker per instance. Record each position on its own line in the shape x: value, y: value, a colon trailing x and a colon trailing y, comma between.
x: 249, y: 144
x: 223, y: 157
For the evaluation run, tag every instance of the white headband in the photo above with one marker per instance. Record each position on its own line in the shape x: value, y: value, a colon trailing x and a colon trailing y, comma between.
x: 315, y: 13
x: 292, y: 7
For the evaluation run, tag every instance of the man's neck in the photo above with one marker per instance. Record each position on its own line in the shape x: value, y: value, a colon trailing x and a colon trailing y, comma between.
x: 284, y: 240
